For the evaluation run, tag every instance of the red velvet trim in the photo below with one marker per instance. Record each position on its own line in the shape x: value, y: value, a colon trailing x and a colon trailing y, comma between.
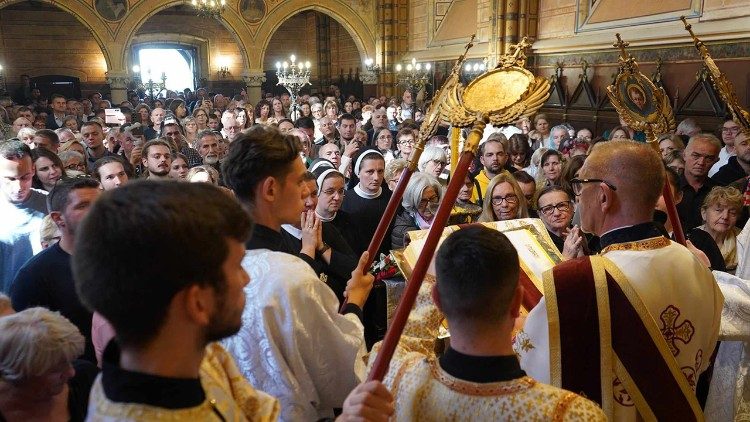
x: 643, y: 361
x: 531, y: 294
x: 579, y: 328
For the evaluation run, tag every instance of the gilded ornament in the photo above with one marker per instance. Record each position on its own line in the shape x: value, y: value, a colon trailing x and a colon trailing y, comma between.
x: 638, y: 101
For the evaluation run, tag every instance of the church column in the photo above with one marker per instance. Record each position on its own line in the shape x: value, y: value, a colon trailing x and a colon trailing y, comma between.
x: 393, y: 27
x: 253, y: 81
x: 510, y: 20
x: 118, y: 81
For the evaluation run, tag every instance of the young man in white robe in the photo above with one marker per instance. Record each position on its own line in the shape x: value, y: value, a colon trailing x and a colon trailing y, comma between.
x: 293, y: 343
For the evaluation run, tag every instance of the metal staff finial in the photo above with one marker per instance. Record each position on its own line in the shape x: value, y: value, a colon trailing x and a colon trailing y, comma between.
x: 621, y: 45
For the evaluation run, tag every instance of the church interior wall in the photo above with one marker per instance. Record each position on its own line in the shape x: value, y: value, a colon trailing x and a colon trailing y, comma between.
x: 41, y: 40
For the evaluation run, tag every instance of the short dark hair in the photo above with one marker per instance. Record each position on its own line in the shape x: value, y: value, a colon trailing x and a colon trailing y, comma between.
x: 304, y: 123
x: 548, y: 189
x: 153, y: 142
x: 523, y: 177
x: 49, y: 134
x: 106, y: 160
x: 58, y: 197
x: 346, y: 116
x: 477, y: 274
x: 253, y: 156
x: 14, y: 149
x: 53, y: 96
x: 186, y: 236
x: 91, y: 123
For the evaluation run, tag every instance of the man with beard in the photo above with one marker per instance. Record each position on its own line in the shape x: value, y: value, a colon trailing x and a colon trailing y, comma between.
x: 47, y: 279
x: 493, y: 155
x: 93, y: 136
x: 166, y: 317
x: 210, y: 150
x: 230, y: 126
x: 157, y: 159
x: 22, y: 208
x: 164, y: 361
x: 738, y: 166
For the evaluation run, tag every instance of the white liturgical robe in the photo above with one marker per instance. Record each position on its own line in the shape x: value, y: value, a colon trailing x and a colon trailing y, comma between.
x: 678, y: 294
x: 293, y: 344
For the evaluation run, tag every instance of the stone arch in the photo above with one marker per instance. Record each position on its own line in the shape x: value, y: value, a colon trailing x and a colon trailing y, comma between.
x: 86, y: 16
x: 357, y: 28
x: 144, y: 10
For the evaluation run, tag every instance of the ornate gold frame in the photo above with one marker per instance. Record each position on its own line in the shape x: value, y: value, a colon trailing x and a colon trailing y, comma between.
x: 640, y: 103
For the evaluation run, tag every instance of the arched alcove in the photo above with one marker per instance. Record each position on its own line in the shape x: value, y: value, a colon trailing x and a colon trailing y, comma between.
x: 213, y: 44
x: 317, y: 37
x: 67, y: 46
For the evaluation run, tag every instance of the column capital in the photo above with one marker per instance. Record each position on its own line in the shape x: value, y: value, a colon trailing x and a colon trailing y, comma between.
x: 117, y: 79
x: 253, y: 78
x: 369, y: 78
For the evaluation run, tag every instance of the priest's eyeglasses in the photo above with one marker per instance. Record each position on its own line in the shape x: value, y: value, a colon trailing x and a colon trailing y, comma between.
x: 560, y: 206
x: 577, y: 184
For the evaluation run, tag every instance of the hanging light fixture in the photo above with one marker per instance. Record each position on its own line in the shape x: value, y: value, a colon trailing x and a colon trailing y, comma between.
x: 209, y: 8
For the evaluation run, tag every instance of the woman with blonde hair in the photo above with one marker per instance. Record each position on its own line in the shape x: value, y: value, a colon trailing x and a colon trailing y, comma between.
x: 505, y: 200
x: 40, y: 378
x: 331, y: 109
x: 204, y: 173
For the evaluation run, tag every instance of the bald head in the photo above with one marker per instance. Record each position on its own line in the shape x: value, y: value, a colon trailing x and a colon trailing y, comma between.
x: 633, y: 178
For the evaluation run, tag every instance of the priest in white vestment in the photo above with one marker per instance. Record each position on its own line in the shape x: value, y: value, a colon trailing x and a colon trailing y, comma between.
x: 643, y: 287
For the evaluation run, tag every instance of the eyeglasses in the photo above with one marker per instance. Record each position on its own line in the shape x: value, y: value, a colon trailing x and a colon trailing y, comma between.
x: 425, y: 202
x: 510, y: 199
x: 560, y: 206
x: 439, y: 163
x: 409, y: 142
x: 577, y: 184
x: 734, y: 130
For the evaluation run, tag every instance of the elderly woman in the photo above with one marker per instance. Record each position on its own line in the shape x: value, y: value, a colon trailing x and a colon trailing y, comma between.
x: 420, y: 203
x: 551, y: 166
x: 331, y: 109
x: 39, y: 376
x: 541, y: 125
x: 506, y: 200
x: 201, y: 117
x: 433, y: 161
x: 719, y: 212
x: 555, y: 207
x: 73, y: 160
x: 26, y: 135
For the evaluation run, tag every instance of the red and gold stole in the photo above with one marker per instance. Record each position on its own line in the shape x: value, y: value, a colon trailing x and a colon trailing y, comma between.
x: 604, y: 342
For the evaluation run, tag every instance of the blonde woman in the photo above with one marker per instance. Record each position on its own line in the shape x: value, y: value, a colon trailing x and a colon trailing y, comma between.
x: 505, y: 200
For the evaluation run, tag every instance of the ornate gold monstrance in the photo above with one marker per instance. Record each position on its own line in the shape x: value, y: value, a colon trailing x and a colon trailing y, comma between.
x: 640, y: 103
x: 721, y: 83
x: 501, y: 95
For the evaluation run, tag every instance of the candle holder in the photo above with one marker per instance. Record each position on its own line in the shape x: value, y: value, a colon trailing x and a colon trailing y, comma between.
x: 415, y: 77
x: 293, y: 76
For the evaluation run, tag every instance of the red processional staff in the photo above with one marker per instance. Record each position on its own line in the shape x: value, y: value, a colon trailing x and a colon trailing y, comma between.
x: 499, y: 96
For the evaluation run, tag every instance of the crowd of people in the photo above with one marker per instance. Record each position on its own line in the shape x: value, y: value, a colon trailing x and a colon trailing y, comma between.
x: 291, y: 195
